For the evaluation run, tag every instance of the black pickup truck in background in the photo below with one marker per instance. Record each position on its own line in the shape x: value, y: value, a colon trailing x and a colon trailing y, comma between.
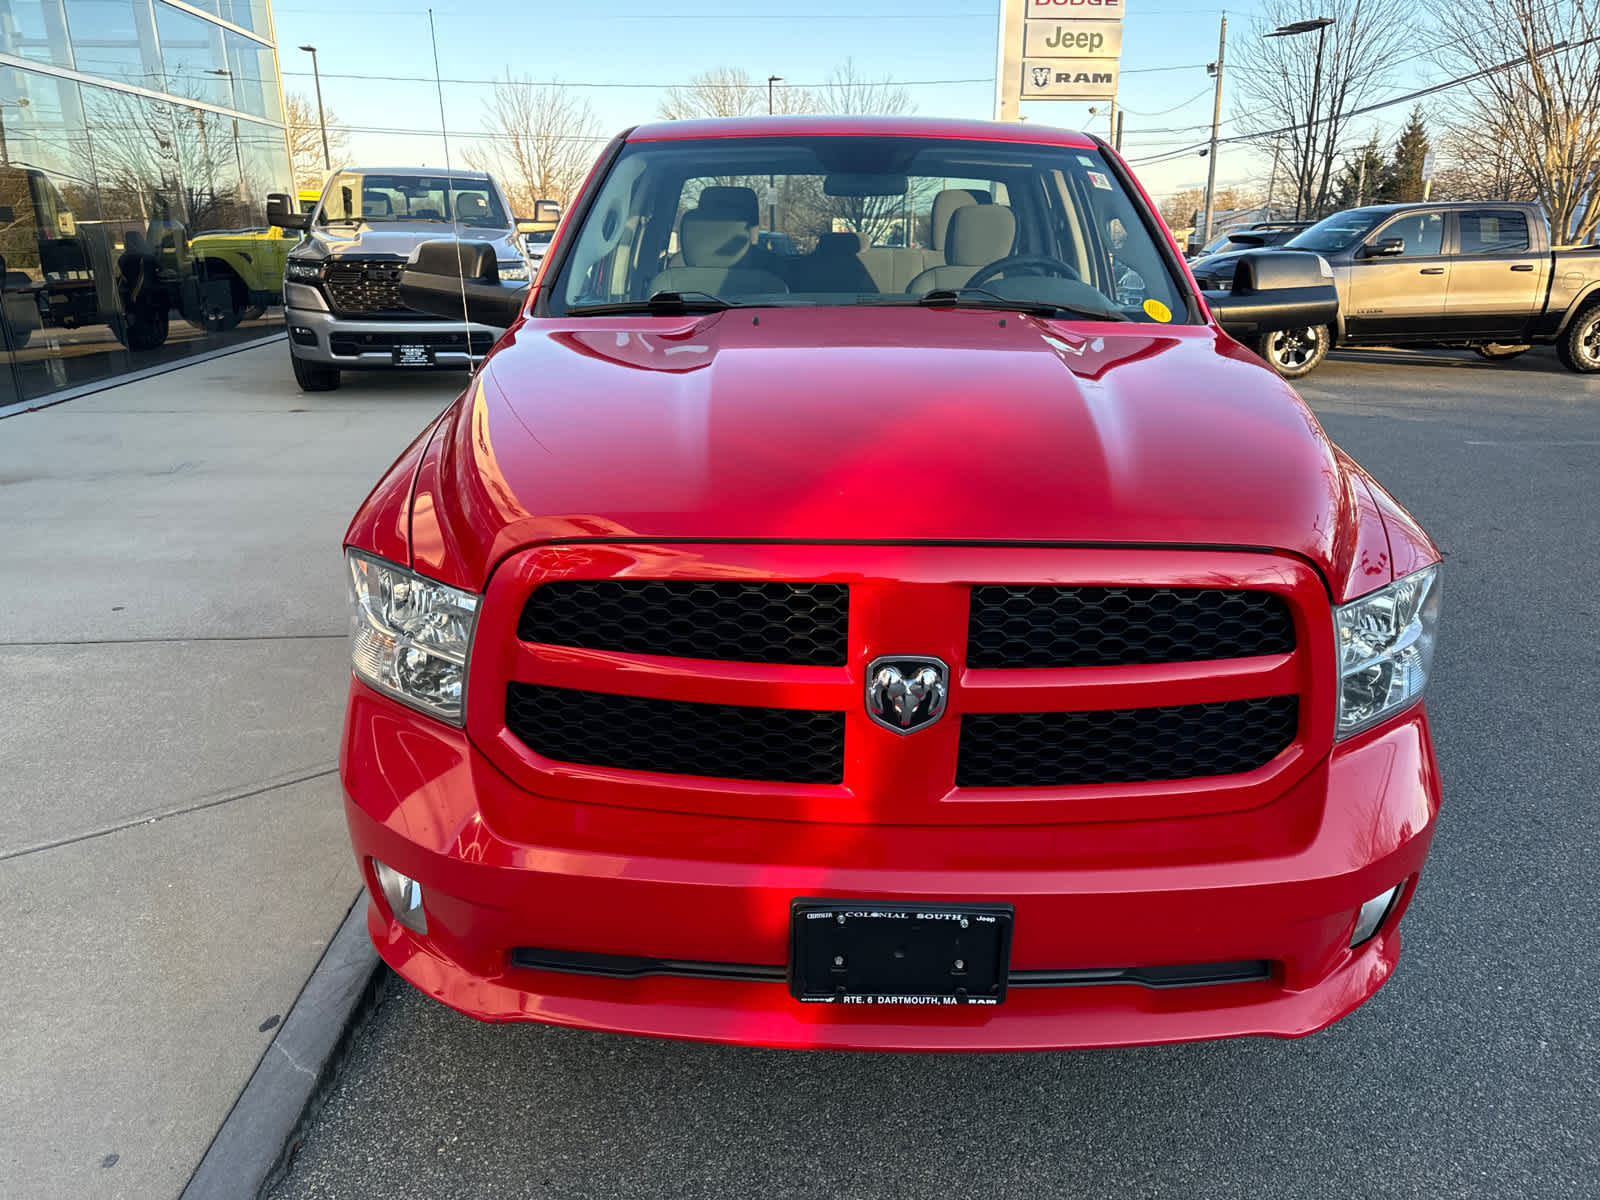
x: 1476, y: 274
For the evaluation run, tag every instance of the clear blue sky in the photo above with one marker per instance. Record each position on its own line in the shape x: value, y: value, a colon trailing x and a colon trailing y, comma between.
x: 637, y: 48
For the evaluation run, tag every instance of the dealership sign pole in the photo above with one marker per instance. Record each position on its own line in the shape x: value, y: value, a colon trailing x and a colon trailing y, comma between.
x: 1057, y: 50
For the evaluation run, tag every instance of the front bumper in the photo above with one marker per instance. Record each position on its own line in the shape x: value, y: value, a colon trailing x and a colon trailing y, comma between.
x: 329, y: 340
x: 1281, y: 882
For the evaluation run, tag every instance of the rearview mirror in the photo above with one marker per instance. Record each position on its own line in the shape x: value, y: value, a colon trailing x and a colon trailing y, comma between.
x: 860, y: 184
x: 460, y: 280
x: 1384, y: 248
x: 1273, y: 290
x: 282, y: 212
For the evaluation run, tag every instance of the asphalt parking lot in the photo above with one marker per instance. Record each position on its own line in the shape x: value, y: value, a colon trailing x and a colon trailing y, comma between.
x: 1473, y: 1073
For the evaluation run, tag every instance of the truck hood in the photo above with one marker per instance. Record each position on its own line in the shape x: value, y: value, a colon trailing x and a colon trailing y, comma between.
x: 399, y: 239
x: 892, y: 424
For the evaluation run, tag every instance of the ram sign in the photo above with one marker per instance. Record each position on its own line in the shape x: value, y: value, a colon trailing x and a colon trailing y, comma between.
x: 1069, y: 79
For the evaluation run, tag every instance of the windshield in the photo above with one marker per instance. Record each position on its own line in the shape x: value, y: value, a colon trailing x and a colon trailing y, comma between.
x: 838, y: 220
x: 379, y: 199
x: 1338, y: 232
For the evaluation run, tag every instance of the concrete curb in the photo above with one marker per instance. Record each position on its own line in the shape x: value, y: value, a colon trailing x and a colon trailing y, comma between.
x: 294, y: 1076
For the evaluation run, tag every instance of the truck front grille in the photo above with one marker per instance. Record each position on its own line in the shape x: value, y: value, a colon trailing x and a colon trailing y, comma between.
x: 730, y: 741
x: 802, y: 624
x: 1130, y: 745
x: 364, y: 286
x: 1049, y: 626
x: 642, y: 673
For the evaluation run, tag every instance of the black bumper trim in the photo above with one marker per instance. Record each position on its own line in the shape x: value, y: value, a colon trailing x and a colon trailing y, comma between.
x: 627, y: 966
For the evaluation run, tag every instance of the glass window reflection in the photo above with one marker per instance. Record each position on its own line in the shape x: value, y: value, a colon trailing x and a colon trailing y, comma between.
x: 194, y: 57
x: 35, y: 29
x: 115, y: 39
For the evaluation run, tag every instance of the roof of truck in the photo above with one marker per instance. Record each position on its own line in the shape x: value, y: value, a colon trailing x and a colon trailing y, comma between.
x: 811, y: 126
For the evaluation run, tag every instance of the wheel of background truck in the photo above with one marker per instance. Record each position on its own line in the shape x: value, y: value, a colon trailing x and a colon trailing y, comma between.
x: 313, y: 378
x: 1579, y: 347
x: 253, y: 312
x: 219, y: 320
x: 1295, y: 353
x: 143, y: 329
x: 1499, y: 351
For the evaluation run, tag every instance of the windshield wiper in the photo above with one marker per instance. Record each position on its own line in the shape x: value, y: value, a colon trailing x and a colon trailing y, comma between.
x: 983, y: 298
x: 665, y: 304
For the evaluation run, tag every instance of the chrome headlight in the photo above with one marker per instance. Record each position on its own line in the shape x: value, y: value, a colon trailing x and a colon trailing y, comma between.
x: 513, y: 272
x: 302, y: 272
x: 410, y: 636
x: 1386, y: 649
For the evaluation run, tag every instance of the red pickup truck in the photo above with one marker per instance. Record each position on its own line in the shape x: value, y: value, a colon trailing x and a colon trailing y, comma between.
x: 944, y: 637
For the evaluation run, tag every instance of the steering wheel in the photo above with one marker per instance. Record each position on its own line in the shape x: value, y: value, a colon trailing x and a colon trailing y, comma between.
x: 1036, y: 262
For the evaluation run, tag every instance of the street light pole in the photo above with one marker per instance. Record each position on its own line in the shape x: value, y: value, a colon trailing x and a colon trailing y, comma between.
x: 322, y: 121
x: 1303, y: 196
x: 772, y: 182
x: 1216, y: 120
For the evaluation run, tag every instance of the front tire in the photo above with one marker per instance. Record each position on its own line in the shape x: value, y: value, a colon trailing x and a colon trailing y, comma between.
x: 313, y: 378
x: 1579, y: 347
x: 1295, y: 353
x: 1499, y: 351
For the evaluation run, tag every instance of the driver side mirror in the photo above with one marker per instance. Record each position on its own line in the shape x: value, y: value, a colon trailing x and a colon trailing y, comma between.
x: 281, y: 211
x: 1273, y: 290
x: 1384, y: 248
x: 460, y: 279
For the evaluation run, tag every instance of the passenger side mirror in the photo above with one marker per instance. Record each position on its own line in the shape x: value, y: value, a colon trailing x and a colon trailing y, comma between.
x: 1273, y: 290
x: 282, y: 212
x: 546, y: 210
x: 1384, y: 248
x: 452, y: 279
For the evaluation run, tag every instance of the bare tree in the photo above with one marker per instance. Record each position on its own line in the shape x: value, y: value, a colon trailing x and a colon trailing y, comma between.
x: 1545, y: 105
x: 731, y: 92
x: 305, y: 139
x: 1480, y: 163
x: 848, y: 91
x: 541, y: 140
x: 1278, y: 76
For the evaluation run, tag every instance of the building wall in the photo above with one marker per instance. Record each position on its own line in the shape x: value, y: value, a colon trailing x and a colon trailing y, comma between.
x: 139, y: 140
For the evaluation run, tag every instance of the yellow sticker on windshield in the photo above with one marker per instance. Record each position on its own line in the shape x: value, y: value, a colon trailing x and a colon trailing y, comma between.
x: 1157, y: 311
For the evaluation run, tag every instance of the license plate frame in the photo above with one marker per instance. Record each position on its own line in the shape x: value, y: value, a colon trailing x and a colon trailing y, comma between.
x: 901, y: 954
x: 414, y: 356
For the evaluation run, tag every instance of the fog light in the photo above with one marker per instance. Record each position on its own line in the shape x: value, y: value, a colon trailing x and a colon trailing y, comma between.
x: 1367, y: 920
x: 403, y: 895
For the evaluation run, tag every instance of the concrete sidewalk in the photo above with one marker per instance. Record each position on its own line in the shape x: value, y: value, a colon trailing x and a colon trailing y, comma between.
x: 173, y: 857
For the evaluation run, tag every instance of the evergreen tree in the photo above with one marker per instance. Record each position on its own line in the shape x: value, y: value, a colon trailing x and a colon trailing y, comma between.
x: 1352, y: 187
x: 1402, y: 179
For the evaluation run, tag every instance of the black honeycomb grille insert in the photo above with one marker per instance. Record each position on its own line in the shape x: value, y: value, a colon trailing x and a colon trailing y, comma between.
x: 1128, y: 745
x: 679, y: 737
x: 356, y: 286
x: 1052, y: 626
x: 794, y: 624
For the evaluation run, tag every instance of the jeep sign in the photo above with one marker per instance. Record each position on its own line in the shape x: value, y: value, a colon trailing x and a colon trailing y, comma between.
x: 1072, y: 39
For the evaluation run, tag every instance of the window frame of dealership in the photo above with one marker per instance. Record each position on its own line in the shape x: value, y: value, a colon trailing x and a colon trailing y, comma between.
x: 139, y: 140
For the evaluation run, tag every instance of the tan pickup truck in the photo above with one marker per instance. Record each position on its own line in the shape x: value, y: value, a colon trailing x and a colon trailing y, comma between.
x: 1468, y: 274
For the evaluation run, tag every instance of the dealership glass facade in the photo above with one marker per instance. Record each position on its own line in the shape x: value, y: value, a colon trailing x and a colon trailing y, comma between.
x: 139, y: 140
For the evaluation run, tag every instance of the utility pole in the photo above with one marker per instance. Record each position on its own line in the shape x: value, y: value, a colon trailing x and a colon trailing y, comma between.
x: 322, y: 121
x: 1361, y: 179
x: 1118, y: 140
x: 1216, y: 120
x: 1272, y: 179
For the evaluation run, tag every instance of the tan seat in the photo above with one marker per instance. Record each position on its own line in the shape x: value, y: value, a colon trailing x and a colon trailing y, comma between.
x: 979, y: 234
x: 893, y: 269
x: 715, y: 252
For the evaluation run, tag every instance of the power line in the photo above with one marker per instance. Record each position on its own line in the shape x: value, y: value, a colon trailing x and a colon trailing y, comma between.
x: 1371, y: 108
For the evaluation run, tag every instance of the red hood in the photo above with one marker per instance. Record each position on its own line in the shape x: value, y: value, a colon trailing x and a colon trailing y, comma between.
x: 876, y: 424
